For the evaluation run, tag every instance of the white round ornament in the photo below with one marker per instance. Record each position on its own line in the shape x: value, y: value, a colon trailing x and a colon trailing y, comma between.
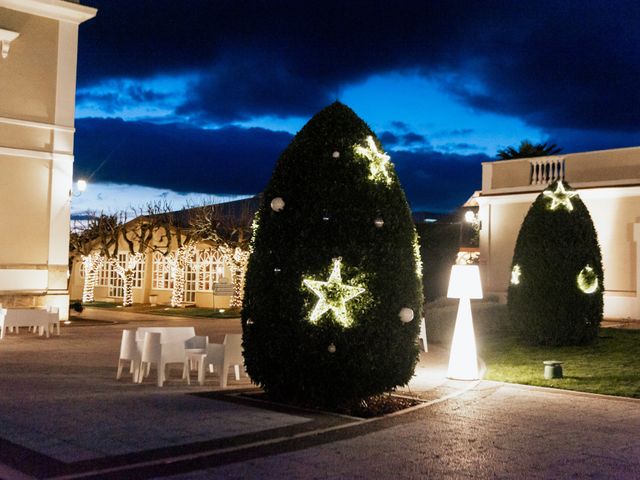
x: 406, y: 315
x: 331, y: 348
x: 336, y: 155
x: 277, y: 204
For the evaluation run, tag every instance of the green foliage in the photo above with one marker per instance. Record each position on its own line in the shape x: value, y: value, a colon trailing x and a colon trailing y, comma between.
x: 439, y: 244
x: 547, y: 306
x: 608, y: 366
x: 330, y: 207
x: 528, y: 150
x: 76, y: 306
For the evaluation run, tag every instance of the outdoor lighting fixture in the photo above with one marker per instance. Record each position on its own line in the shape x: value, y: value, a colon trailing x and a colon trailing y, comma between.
x: 516, y: 273
x: 379, y: 163
x: 81, y: 186
x: 333, y: 295
x: 560, y: 197
x: 469, y: 216
x: 6, y: 37
x: 463, y: 359
x: 588, y: 280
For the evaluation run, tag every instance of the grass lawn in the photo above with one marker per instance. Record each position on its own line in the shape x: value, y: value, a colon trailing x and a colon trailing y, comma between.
x: 169, y: 311
x: 611, y: 366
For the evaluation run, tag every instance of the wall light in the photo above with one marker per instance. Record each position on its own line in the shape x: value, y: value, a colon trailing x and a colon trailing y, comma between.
x: 81, y: 186
x: 6, y: 37
x: 463, y: 359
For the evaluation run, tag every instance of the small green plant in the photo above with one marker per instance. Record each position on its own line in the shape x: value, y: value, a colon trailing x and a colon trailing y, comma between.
x: 77, y: 307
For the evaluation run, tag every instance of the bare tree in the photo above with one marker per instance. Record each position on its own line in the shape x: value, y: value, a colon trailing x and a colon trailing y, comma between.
x: 178, y: 248
x: 229, y: 229
x: 94, y: 243
x: 139, y: 235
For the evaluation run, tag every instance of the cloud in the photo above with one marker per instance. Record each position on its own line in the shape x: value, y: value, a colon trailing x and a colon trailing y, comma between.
x: 458, y: 146
x: 437, y: 181
x: 388, y: 138
x: 229, y: 160
x: 569, y: 64
x: 406, y: 140
x: 130, y: 161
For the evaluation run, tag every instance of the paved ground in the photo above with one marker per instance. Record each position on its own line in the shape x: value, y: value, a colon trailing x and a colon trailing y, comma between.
x: 63, y: 415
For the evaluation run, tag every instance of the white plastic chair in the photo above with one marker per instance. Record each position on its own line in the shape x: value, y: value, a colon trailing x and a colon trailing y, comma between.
x: 195, y: 353
x: 129, y: 352
x: 54, y: 319
x: 162, y: 354
x: 221, y: 357
x: 151, y: 353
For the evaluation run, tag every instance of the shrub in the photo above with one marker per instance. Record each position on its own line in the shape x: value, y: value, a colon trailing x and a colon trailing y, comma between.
x: 77, y: 306
x: 555, y: 295
x: 332, y: 197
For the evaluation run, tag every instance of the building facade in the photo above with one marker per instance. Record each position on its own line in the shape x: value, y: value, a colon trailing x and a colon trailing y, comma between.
x: 204, y: 249
x: 37, y: 101
x: 607, y: 181
x: 208, y: 278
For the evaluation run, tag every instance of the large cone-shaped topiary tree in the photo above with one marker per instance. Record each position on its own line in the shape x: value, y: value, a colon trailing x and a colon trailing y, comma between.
x: 556, y: 288
x: 334, y: 266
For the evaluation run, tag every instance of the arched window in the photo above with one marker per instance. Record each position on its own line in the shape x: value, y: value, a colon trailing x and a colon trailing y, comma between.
x: 161, y: 276
x: 210, y: 269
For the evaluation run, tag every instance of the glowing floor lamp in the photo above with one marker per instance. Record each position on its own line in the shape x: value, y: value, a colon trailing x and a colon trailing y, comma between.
x: 465, y: 285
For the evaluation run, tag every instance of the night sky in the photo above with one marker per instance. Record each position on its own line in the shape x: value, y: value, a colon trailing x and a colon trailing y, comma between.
x: 193, y: 101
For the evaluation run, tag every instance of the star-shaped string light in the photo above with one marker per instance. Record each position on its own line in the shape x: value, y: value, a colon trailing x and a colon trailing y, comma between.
x: 515, y: 275
x: 378, y: 162
x: 332, y: 295
x: 560, y: 197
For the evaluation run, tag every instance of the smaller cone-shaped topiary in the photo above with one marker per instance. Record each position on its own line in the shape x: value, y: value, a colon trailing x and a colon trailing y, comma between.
x: 556, y: 287
x: 333, y: 292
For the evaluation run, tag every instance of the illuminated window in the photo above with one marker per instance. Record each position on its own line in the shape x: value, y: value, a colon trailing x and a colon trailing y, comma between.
x: 161, y: 276
x: 210, y: 268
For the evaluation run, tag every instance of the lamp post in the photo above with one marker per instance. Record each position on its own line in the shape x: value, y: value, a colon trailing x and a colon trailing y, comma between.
x: 81, y: 185
x: 463, y: 359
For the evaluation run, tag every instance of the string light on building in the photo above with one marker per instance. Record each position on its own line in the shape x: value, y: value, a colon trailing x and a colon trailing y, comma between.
x: 379, y: 163
x: 333, y: 295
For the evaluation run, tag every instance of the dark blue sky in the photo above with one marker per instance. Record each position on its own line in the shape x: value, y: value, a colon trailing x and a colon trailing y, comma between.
x: 202, y: 96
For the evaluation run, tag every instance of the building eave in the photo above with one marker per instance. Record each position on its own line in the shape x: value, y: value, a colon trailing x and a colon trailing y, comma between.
x: 55, y: 9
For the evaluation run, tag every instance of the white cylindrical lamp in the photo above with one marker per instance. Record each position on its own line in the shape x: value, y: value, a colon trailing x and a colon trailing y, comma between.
x: 463, y: 359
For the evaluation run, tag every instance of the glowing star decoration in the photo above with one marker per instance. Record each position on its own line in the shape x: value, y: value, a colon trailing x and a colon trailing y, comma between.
x: 587, y: 280
x: 515, y: 275
x: 378, y: 162
x: 332, y: 295
x: 560, y: 197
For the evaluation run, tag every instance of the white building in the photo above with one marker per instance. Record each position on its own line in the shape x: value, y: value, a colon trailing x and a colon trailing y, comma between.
x: 608, y: 182
x: 37, y: 101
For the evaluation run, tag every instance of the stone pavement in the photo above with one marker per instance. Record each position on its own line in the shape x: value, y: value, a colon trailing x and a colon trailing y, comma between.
x: 63, y: 412
x: 63, y: 415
